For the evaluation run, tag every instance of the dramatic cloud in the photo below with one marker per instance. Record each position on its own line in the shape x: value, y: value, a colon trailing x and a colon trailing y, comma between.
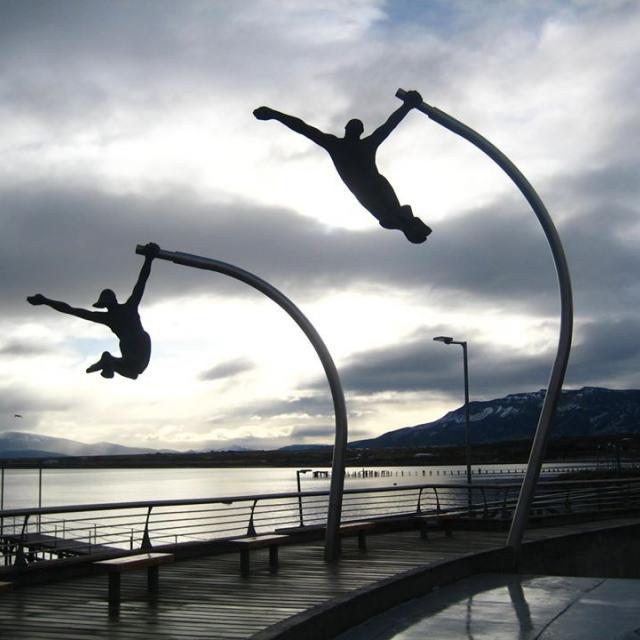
x: 125, y: 123
x: 227, y: 370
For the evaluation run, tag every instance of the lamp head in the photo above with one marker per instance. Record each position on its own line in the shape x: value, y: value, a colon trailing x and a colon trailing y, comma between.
x: 445, y: 339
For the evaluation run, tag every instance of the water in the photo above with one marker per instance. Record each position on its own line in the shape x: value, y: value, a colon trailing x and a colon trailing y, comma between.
x: 91, y: 486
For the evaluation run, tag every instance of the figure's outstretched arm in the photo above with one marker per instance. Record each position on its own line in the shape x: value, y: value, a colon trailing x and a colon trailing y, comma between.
x: 295, y: 124
x: 150, y: 252
x: 412, y: 99
x: 63, y: 307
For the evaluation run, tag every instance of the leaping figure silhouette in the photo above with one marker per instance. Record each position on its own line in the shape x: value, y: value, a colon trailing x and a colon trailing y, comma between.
x: 355, y: 160
x: 123, y: 319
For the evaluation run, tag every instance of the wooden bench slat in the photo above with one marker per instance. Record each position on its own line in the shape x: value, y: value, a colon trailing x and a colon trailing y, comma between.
x: 259, y: 542
x: 140, y: 561
x: 115, y: 567
x: 256, y: 542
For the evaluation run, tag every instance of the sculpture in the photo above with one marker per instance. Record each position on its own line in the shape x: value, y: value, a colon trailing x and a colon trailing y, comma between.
x: 355, y: 160
x: 123, y: 319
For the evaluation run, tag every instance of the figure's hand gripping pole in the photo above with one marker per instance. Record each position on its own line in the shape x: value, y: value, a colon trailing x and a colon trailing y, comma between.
x: 566, y: 312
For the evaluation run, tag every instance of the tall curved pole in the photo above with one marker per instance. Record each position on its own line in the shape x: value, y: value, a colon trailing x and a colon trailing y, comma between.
x: 556, y: 379
x: 332, y: 546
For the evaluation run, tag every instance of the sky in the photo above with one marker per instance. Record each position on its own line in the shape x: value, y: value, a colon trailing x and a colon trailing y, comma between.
x: 125, y: 122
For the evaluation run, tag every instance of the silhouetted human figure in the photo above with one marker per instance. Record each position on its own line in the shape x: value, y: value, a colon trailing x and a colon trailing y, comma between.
x: 355, y: 159
x: 122, y: 319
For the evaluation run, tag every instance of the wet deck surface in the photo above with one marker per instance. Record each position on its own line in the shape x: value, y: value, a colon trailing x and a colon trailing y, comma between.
x: 208, y: 598
x: 508, y: 607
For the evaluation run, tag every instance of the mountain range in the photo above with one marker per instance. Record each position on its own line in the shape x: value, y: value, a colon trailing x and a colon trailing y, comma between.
x: 19, y: 444
x: 587, y: 412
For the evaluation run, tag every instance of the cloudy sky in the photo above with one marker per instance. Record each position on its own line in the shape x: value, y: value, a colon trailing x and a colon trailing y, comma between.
x: 125, y: 122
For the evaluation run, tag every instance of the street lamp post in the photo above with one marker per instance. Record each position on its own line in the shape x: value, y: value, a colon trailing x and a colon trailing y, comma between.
x: 298, y: 472
x: 467, y: 448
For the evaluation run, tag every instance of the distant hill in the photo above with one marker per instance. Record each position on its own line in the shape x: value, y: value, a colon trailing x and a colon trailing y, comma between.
x: 19, y: 444
x: 303, y: 447
x: 588, y: 412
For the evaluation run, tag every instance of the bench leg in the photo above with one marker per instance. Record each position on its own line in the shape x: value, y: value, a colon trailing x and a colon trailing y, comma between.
x: 244, y: 562
x: 153, y: 580
x: 273, y: 558
x: 424, y: 532
x: 362, y: 541
x: 114, y: 593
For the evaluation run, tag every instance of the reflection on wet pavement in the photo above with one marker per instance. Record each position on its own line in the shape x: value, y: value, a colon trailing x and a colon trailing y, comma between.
x: 497, y: 607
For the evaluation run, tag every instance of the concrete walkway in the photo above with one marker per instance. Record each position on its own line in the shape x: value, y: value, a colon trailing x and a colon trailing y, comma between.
x: 508, y: 607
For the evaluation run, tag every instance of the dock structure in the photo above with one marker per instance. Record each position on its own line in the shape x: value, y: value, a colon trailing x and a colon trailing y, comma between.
x: 31, y: 544
x: 208, y: 597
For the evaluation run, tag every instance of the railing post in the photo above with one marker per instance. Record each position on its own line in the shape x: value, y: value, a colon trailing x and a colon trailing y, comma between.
x: 146, y: 539
x: 20, y: 559
x: 504, y: 503
x: 437, y: 500
x: 419, y: 506
x: 251, y: 529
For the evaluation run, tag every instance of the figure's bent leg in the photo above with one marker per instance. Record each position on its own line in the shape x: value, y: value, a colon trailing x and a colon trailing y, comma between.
x: 413, y: 228
x: 402, y: 218
x: 126, y: 367
x: 97, y: 366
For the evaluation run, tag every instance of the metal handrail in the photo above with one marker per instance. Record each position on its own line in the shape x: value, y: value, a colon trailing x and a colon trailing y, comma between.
x: 29, y: 533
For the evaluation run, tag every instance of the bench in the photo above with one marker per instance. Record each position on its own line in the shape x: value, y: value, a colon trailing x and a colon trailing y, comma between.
x: 115, y: 567
x: 357, y: 528
x: 245, y: 545
x: 6, y: 586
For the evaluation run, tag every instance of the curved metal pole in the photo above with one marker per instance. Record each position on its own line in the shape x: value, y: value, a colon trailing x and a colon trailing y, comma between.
x: 332, y: 546
x: 552, y: 396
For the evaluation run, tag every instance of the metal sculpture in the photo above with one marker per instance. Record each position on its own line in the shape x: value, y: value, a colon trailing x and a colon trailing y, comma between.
x: 559, y: 368
x: 355, y: 160
x: 122, y: 318
x: 332, y: 542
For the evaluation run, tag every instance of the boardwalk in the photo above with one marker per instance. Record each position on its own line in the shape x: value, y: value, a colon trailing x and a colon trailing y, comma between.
x: 207, y: 597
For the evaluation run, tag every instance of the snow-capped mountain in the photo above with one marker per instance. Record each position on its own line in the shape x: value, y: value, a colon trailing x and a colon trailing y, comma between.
x: 587, y: 412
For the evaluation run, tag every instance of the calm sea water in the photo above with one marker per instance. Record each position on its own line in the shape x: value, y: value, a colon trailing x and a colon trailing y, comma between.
x: 90, y: 486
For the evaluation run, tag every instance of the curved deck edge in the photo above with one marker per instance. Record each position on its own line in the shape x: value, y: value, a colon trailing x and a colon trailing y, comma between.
x: 327, y: 620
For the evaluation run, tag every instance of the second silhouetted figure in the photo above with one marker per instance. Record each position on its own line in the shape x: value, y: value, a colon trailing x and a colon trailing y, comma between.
x: 123, y: 319
x: 355, y: 160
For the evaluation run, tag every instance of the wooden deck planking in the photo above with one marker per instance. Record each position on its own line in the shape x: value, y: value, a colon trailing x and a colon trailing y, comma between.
x: 208, y: 598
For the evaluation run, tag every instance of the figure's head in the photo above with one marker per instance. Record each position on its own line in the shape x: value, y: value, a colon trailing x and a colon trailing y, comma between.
x: 354, y: 129
x: 106, y: 300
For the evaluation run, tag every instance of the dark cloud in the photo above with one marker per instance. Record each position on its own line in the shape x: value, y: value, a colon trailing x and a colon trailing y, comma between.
x: 606, y: 352
x: 419, y: 364
x: 23, y: 348
x: 78, y: 241
x: 227, y: 369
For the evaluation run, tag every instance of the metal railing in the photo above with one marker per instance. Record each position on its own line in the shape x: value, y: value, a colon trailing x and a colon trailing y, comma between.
x: 31, y: 535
